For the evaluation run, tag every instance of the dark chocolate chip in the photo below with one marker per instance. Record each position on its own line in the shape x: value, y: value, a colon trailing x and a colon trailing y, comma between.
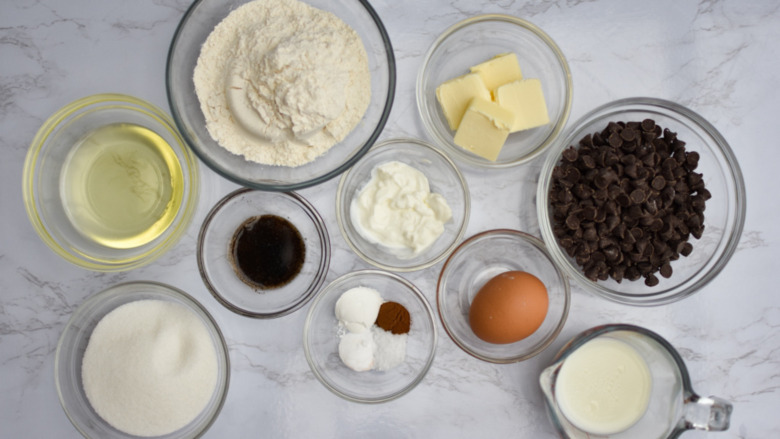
x: 570, y: 154
x: 614, y: 140
x: 694, y: 179
x: 628, y: 134
x: 572, y: 174
x: 692, y: 160
x: 625, y: 203
x: 589, y: 162
x: 638, y: 196
x: 572, y: 222
x: 666, y: 270
x: 687, y: 248
x: 669, y: 136
x: 586, y: 141
x: 632, y: 274
x: 658, y: 183
x: 651, y: 280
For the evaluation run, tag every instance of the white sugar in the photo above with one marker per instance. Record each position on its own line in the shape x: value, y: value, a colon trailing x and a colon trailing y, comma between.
x: 150, y: 367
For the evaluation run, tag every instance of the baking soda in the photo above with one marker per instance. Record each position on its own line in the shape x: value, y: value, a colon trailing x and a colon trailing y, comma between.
x: 390, y: 349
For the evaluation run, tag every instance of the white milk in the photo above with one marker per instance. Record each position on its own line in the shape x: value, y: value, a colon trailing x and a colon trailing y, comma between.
x: 604, y: 386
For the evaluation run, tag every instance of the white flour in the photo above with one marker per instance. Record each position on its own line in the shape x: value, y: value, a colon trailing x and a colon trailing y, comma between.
x: 149, y: 368
x: 280, y: 82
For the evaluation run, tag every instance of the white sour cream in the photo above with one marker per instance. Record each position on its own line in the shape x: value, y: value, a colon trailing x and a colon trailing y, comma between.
x: 397, y: 209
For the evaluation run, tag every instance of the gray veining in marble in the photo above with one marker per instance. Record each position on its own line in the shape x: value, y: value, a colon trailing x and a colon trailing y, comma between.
x: 718, y: 57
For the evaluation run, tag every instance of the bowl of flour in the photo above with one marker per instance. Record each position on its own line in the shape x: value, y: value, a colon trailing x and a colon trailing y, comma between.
x: 280, y: 94
x: 141, y: 359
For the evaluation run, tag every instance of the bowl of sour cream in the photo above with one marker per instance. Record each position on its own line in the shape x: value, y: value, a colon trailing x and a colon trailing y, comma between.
x: 404, y: 206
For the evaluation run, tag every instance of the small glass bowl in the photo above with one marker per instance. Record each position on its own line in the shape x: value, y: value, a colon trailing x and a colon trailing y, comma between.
x: 74, y: 340
x: 476, y: 40
x: 724, y: 217
x: 196, y: 25
x: 215, y: 261
x: 43, y: 171
x: 479, y: 259
x: 321, y: 340
x: 444, y: 178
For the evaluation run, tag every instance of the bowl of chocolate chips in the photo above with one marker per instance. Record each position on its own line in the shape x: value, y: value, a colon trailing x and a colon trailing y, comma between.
x: 642, y: 202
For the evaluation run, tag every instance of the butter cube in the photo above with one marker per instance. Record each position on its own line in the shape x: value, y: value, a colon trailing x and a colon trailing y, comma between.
x: 499, y: 70
x: 484, y: 128
x: 455, y: 95
x: 526, y: 99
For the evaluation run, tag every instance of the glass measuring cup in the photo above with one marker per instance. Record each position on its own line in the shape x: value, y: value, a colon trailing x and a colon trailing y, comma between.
x: 673, y: 406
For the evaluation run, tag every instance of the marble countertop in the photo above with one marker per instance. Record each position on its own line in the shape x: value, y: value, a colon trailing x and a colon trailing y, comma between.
x: 720, y: 58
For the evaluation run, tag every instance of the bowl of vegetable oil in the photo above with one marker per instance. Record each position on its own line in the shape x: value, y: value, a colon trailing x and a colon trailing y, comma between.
x: 108, y: 183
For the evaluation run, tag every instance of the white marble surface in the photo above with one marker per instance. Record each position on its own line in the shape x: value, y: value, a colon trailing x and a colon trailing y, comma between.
x: 718, y: 57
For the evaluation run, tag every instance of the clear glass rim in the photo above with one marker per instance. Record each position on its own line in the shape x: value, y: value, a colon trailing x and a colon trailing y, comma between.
x: 222, y: 385
x: 425, y: 264
x: 583, y: 337
x: 733, y: 171
x: 472, y: 159
x: 322, y: 267
x: 284, y: 187
x: 539, y: 244
x: 189, y: 164
x: 589, y: 334
x: 428, y: 312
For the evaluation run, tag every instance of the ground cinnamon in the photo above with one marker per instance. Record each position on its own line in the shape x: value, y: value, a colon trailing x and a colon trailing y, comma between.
x: 393, y: 317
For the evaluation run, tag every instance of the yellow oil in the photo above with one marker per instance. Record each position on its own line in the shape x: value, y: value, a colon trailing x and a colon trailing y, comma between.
x: 122, y: 185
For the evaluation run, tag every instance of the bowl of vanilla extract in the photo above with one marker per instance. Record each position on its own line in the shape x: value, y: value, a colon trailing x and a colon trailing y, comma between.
x: 263, y: 254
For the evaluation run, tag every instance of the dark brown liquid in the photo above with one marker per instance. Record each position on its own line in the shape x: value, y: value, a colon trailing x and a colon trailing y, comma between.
x: 268, y: 251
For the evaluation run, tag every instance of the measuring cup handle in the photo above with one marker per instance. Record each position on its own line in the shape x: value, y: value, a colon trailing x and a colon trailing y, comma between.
x: 711, y: 413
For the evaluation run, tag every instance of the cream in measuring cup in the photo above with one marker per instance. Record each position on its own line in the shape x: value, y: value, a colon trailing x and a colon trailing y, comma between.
x: 623, y: 381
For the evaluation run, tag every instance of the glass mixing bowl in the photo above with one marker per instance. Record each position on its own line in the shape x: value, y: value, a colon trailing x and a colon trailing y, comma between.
x: 475, y: 40
x: 482, y: 257
x: 216, y: 265
x: 724, y: 216
x: 321, y: 340
x: 196, y: 25
x: 74, y: 340
x: 444, y: 178
x: 42, y: 184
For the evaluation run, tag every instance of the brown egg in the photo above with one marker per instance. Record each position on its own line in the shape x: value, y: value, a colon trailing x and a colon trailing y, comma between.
x: 508, y: 308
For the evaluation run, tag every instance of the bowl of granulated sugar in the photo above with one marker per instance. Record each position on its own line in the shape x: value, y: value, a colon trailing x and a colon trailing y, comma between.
x: 141, y: 359
x: 298, y: 106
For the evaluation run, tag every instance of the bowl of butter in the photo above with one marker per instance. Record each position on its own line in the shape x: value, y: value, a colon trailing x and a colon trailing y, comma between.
x: 494, y: 91
x: 404, y: 206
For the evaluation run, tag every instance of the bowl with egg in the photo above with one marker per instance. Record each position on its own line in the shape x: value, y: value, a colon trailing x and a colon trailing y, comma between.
x: 370, y: 336
x: 641, y: 202
x: 141, y: 359
x: 263, y: 254
x: 500, y: 296
x: 404, y: 206
x: 108, y: 183
x: 295, y: 107
x: 494, y: 91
